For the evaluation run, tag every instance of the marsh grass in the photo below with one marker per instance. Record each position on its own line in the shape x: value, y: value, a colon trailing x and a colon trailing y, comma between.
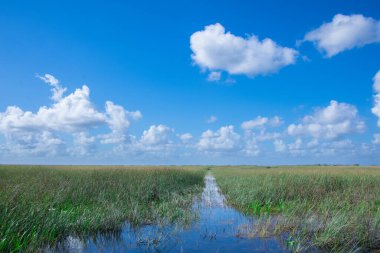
x: 330, y: 207
x: 42, y: 204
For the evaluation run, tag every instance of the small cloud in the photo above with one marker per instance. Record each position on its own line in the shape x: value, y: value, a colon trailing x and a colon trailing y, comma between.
x: 279, y: 146
x: 214, y: 76
x: 186, y: 137
x: 230, y: 81
x: 275, y: 121
x: 216, y: 50
x: 376, y: 139
x: 305, y: 58
x: 212, y: 119
x: 295, y: 148
x: 222, y: 140
x: 53, y: 82
x: 50, y: 79
x: 313, y: 143
x: 329, y: 122
x: 156, y: 135
x: 376, y: 87
x: 345, y: 32
x: 260, y: 122
x: 254, y: 123
x: 298, y: 108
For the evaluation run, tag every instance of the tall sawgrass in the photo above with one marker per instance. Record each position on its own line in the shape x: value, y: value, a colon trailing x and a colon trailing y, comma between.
x: 336, y: 208
x: 40, y: 205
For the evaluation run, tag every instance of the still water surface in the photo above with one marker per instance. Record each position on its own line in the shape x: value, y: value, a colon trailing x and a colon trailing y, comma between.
x: 216, y: 230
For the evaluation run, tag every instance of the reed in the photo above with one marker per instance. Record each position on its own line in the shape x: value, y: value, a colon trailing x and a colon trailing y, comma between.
x: 40, y: 204
x: 332, y: 207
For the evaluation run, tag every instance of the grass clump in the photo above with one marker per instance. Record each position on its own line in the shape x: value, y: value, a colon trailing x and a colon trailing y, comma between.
x: 41, y: 204
x: 331, y: 207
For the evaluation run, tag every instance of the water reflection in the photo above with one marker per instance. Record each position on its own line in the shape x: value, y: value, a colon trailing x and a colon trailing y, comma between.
x: 218, y: 229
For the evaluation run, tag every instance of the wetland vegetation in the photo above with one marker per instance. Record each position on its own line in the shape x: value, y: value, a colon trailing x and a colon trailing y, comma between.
x: 336, y: 208
x: 43, y: 204
x: 304, y: 208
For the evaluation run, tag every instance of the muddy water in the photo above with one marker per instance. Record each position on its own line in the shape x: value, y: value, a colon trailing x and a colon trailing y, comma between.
x: 218, y: 229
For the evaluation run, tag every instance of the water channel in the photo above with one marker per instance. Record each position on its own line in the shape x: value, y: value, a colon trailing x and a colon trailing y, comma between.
x: 218, y: 228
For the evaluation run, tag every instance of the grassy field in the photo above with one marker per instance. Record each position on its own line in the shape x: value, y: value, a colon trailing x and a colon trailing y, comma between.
x: 331, y: 207
x: 41, y: 204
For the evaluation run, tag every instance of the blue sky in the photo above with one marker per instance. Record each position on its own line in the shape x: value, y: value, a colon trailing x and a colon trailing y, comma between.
x: 189, y: 82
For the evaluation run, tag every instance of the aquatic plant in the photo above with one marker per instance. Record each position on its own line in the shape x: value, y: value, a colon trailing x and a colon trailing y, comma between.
x: 336, y: 208
x: 43, y: 204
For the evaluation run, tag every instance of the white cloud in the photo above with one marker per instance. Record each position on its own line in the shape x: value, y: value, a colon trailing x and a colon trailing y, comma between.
x: 252, y: 139
x: 275, y: 121
x: 251, y: 148
x: 57, y: 90
x: 118, y: 120
x: 260, y: 122
x: 224, y: 139
x: 313, y: 143
x: 118, y: 117
x: 214, y: 76
x: 265, y: 136
x: 376, y: 139
x: 344, y: 33
x: 73, y: 126
x: 322, y: 148
x: 157, y: 140
x: 340, y: 144
x: 295, y: 148
x: 73, y: 114
x: 376, y: 82
x: 229, y: 81
x: 215, y: 50
x: 49, y: 79
x: 42, y: 143
x: 156, y: 135
x: 330, y: 122
x: 376, y: 107
x: 332, y: 148
x: 279, y: 145
x: 114, y: 138
x: 186, y: 137
x: 84, y: 144
x: 212, y: 119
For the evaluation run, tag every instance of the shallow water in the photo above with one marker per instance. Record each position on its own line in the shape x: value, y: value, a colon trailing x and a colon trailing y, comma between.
x: 218, y: 229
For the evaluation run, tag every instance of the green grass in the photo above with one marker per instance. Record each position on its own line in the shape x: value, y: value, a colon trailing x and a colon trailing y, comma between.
x: 42, y: 204
x: 331, y: 207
